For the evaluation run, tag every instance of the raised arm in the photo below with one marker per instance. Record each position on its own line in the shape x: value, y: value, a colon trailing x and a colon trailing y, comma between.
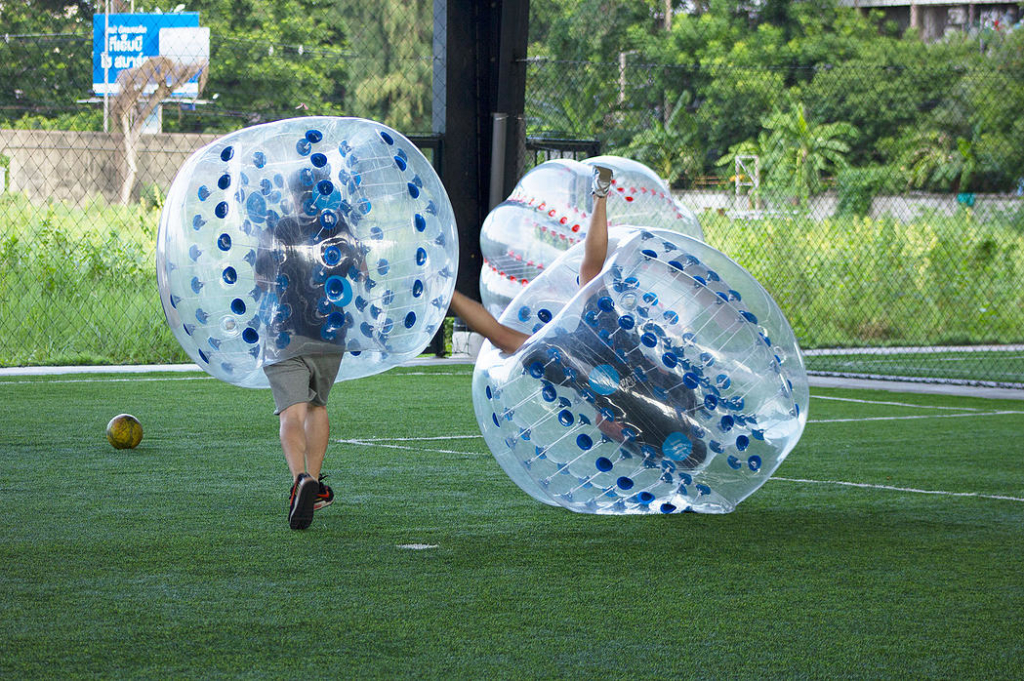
x: 596, y: 242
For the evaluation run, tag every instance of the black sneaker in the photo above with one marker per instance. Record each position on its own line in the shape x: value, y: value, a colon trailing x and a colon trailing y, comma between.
x: 300, y: 504
x: 602, y: 181
x: 325, y: 495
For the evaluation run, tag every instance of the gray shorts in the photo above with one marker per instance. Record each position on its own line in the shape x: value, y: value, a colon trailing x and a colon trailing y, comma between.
x: 306, y: 378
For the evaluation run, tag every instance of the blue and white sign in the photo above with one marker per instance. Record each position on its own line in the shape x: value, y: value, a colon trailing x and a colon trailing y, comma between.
x: 124, y: 41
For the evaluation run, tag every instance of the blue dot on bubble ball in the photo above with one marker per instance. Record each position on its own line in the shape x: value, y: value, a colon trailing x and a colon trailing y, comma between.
x: 604, y: 379
x: 677, y: 447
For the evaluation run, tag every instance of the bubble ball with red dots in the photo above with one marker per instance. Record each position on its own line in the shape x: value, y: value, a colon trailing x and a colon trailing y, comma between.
x: 307, y: 235
x: 549, y: 211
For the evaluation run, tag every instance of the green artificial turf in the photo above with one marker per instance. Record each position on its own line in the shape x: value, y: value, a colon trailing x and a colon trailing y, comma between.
x: 174, y: 560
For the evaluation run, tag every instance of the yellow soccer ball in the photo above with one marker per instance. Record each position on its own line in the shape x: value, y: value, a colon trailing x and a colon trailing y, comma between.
x: 124, y: 431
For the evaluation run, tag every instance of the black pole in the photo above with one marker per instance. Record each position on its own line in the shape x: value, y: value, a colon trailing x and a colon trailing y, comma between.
x: 510, y: 91
x: 485, y: 74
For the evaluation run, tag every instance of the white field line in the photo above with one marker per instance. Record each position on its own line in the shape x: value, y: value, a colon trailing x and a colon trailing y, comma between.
x: 108, y: 380
x: 893, y: 488
x: 892, y: 404
x: 380, y: 442
x: 363, y: 440
x: 189, y: 378
x: 914, y: 417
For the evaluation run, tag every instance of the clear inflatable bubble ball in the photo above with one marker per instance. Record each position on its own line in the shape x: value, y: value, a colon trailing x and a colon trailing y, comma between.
x: 306, y: 235
x: 672, y: 382
x: 549, y: 211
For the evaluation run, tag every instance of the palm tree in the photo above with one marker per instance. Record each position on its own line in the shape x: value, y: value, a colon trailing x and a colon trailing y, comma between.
x: 935, y: 159
x: 798, y: 152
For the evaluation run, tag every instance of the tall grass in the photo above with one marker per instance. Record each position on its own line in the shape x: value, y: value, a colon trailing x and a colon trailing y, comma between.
x: 858, y: 281
x: 78, y: 283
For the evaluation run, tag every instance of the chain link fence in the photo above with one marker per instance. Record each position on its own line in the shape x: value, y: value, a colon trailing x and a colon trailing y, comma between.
x: 878, y: 201
x: 880, y: 204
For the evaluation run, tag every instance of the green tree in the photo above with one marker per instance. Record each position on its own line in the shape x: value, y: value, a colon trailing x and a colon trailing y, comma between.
x: 798, y: 152
x: 935, y: 160
x: 45, y: 59
x: 674, y: 149
x: 270, y: 59
x: 390, y: 44
x: 582, y: 111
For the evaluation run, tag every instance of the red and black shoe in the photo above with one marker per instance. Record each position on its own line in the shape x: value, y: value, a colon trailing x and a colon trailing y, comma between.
x: 300, y: 503
x: 324, y: 496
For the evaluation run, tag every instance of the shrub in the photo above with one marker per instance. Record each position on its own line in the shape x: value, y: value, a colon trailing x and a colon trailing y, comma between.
x: 857, y: 188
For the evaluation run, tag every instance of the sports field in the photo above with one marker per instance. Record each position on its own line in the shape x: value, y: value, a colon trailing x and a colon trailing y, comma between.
x: 889, y: 545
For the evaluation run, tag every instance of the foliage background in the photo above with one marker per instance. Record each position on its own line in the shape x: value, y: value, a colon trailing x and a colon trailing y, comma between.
x: 854, y: 124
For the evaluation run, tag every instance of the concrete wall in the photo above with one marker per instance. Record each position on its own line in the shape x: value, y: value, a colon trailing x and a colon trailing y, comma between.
x: 75, y: 166
x: 904, y: 207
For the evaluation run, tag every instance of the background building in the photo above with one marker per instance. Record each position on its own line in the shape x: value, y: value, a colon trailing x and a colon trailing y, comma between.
x: 935, y: 18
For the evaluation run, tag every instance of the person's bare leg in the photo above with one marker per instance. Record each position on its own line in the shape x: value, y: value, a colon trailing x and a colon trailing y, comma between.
x: 293, y: 437
x: 318, y: 431
x: 483, y: 322
x: 595, y: 244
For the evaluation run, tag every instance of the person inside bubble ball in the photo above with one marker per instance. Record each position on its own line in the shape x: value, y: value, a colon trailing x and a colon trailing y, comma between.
x: 509, y: 340
x: 301, y: 256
